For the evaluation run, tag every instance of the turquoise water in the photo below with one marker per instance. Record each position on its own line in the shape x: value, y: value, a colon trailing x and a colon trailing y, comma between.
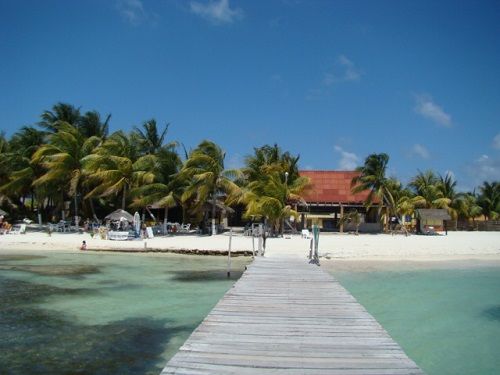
x: 103, y: 314
x: 447, y: 320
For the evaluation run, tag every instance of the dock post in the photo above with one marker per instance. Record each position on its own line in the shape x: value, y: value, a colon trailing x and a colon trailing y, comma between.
x: 253, y: 245
x: 260, y: 251
x: 229, y: 254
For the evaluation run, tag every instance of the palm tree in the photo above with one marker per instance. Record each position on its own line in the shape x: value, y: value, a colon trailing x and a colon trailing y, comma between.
x: 91, y: 124
x: 469, y: 209
x: 165, y: 190
x: 150, y: 141
x: 372, y: 177
x: 23, y: 171
x: 404, y: 198
x: 5, y: 166
x: 62, y: 159
x: 61, y: 112
x: 268, y: 159
x: 446, y: 186
x: 353, y: 216
x: 489, y: 199
x: 273, y: 199
x: 116, y: 167
x: 208, y: 179
x: 429, y: 190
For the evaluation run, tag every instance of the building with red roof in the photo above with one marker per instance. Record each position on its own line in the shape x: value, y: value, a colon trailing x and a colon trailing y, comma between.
x: 329, y: 196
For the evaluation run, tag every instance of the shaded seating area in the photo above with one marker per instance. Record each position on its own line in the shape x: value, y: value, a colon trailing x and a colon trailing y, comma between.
x: 177, y: 228
x: 63, y: 226
x: 431, y: 220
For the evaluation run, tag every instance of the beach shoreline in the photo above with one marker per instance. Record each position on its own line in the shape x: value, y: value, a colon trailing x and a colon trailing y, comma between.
x: 456, y: 246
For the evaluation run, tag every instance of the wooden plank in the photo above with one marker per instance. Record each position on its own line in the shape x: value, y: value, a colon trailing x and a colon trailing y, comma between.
x: 285, y: 316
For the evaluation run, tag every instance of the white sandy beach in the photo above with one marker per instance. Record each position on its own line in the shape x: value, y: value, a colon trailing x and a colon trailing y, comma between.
x: 456, y: 245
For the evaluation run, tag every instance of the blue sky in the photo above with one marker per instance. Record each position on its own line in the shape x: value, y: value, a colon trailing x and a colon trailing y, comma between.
x: 330, y: 80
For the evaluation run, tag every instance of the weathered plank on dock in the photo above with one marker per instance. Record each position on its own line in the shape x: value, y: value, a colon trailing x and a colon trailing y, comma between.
x: 285, y: 316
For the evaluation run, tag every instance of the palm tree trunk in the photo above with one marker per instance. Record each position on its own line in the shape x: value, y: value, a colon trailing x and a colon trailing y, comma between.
x: 76, y: 209
x: 92, y: 209
x: 124, y: 197
x: 214, y: 230
x: 165, y: 220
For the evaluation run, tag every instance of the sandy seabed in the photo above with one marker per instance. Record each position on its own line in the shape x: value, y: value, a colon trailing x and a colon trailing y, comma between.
x: 380, y: 247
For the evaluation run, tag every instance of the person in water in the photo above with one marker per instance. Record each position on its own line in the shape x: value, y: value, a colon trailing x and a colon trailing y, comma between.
x: 84, y: 246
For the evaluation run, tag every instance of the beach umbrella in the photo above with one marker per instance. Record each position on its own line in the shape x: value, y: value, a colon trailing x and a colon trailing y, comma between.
x: 137, y: 222
x: 120, y: 215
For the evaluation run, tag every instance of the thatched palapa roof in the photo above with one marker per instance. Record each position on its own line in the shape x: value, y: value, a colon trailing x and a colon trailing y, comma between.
x: 120, y: 214
x: 432, y: 213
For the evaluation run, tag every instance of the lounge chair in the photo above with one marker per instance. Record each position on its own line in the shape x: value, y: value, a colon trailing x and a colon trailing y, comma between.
x: 305, y: 233
x: 18, y: 229
x: 117, y: 236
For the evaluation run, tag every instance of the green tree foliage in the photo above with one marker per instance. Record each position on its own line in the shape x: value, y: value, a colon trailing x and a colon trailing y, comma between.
x: 208, y: 180
x: 22, y: 169
x: 167, y: 187
x: 372, y: 178
x: 72, y: 155
x: 352, y: 216
x: 116, y: 167
x: 149, y: 139
x: 429, y: 190
x: 271, y: 185
x: 62, y: 157
x: 267, y: 159
x: 489, y: 200
x: 60, y: 113
x: 91, y: 125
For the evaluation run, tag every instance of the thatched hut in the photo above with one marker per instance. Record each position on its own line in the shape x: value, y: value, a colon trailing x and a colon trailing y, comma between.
x: 431, y: 220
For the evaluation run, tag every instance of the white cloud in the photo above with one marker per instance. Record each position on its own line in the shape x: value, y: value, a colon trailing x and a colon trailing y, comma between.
x: 351, y: 73
x: 496, y: 141
x: 420, y: 151
x: 132, y: 11
x: 427, y: 108
x: 484, y: 168
x: 348, y: 160
x: 344, y: 70
x: 217, y: 12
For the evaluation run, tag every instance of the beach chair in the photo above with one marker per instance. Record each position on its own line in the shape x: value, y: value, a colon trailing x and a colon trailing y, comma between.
x: 18, y: 229
x: 185, y: 228
x: 305, y: 233
x: 117, y: 236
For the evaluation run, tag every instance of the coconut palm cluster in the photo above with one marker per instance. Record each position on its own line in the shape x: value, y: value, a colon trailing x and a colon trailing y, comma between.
x: 425, y: 190
x: 70, y: 161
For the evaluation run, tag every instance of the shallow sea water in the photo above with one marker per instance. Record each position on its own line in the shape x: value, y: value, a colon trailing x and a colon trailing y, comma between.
x: 66, y: 313
x: 447, y: 320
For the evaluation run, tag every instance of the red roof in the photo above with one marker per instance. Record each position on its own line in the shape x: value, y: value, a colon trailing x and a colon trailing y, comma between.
x: 332, y: 187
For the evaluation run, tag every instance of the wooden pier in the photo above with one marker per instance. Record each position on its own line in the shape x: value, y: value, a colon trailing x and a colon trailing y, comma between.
x: 285, y: 316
